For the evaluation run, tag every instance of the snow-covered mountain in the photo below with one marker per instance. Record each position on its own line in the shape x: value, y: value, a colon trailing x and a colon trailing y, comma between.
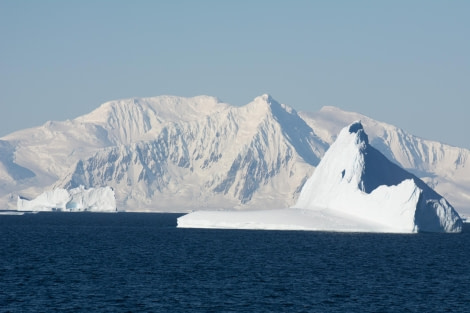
x: 172, y: 153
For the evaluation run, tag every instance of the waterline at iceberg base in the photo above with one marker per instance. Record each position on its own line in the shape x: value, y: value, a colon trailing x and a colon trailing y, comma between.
x: 354, y: 188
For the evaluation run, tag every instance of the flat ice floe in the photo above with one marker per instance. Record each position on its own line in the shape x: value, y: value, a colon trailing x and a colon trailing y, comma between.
x: 281, y: 219
x: 354, y: 188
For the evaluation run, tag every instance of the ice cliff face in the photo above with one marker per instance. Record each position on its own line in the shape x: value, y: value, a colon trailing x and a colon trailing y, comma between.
x: 73, y: 200
x: 357, y: 180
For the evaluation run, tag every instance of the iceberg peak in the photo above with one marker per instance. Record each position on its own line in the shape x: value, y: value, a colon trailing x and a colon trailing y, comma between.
x: 355, y: 127
x: 355, y: 131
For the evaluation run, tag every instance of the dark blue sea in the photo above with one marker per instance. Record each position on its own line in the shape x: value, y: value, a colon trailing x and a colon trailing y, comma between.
x: 92, y: 262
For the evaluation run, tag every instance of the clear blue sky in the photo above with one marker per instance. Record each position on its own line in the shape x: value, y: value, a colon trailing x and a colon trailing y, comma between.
x: 402, y: 62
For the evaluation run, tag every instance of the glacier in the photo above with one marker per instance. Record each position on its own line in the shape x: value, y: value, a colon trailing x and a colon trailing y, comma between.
x: 74, y: 200
x: 354, y: 188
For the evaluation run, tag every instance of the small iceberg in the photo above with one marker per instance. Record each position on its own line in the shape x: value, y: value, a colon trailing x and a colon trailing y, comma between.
x: 74, y: 200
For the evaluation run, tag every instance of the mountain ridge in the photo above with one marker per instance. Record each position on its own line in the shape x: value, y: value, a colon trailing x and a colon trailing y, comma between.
x: 182, y: 153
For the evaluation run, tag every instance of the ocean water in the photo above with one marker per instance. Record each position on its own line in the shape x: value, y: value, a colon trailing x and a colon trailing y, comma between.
x: 91, y: 262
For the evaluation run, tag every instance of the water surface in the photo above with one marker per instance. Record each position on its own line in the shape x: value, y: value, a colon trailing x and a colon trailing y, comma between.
x: 92, y: 262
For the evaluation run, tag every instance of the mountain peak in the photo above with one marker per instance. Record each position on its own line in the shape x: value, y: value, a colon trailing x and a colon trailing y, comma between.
x: 267, y: 101
x: 261, y: 105
x: 264, y: 102
x: 264, y: 98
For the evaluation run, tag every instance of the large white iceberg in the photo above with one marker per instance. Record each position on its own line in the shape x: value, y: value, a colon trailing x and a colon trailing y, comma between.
x: 74, y: 200
x: 354, y: 188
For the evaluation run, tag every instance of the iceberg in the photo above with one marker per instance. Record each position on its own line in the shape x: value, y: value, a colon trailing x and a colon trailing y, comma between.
x: 74, y: 200
x: 354, y: 188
